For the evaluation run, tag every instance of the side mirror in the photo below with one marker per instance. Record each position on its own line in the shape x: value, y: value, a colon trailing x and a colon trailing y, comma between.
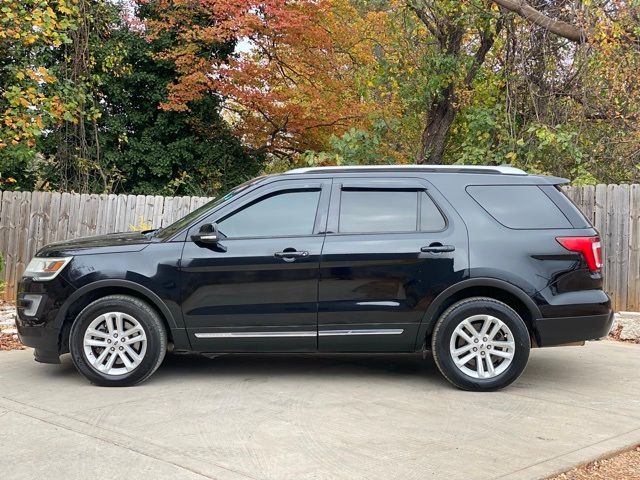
x: 208, y: 235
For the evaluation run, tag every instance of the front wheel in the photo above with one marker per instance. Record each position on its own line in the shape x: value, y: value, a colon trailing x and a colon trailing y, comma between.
x: 481, y: 344
x: 117, y: 340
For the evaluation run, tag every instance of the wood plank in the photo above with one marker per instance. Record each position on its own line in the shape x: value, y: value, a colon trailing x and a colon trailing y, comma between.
x: 622, y: 243
x: 110, y: 225
x: 149, y: 204
x: 34, y: 234
x: 194, y: 203
x: 74, y: 216
x: 101, y: 217
x: 11, y: 211
x: 185, y: 206
x: 62, y: 228
x: 83, y: 226
x: 574, y: 193
x: 52, y: 214
x: 121, y: 214
x: 40, y: 212
x: 21, y: 236
x: 91, y: 220
x: 139, y: 215
x: 167, y: 211
x: 611, y: 245
x: 600, y: 208
x: 158, y: 207
x: 131, y: 220
x: 5, y: 210
x: 588, y: 202
x: 633, y: 278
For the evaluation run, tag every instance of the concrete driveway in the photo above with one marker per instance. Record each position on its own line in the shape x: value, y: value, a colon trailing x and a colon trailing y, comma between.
x: 317, y: 417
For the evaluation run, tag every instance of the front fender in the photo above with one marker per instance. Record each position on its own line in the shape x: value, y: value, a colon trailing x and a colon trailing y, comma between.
x: 150, y: 296
x: 174, y: 321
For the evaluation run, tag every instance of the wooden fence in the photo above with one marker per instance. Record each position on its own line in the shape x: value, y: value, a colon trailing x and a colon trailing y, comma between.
x: 615, y: 211
x: 29, y: 220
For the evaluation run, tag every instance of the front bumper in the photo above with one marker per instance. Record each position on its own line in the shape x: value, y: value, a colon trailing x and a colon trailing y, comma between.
x: 43, y: 340
x: 563, y: 330
x: 37, y: 322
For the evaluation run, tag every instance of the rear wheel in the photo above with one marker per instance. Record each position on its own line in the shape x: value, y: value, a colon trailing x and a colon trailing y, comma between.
x: 481, y: 344
x: 117, y: 340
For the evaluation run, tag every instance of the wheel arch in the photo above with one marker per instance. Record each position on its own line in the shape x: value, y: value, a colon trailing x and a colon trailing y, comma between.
x: 88, y: 293
x: 500, y: 290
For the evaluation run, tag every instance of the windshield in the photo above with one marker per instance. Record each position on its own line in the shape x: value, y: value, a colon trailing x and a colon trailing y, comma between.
x: 175, y: 227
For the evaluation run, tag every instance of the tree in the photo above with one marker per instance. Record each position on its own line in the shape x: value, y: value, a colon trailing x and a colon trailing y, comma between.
x: 166, y: 151
x: 32, y: 98
x: 466, y: 32
x: 112, y: 135
x: 291, y: 89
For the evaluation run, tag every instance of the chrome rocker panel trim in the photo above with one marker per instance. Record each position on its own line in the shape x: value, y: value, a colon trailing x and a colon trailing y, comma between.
x: 323, y: 333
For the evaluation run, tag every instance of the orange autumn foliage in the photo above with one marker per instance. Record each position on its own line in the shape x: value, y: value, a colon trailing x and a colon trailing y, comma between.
x: 293, y: 85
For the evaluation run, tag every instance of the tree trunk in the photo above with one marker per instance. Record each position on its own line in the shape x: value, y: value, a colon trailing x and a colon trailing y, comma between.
x: 442, y: 112
x: 435, y: 134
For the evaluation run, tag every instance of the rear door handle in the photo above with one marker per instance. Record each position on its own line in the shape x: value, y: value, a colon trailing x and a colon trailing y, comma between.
x: 438, y: 248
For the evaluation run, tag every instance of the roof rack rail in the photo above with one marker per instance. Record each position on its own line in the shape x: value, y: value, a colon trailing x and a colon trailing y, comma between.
x: 501, y: 169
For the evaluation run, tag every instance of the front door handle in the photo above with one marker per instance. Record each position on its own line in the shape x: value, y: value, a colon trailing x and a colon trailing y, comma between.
x: 290, y: 254
x: 438, y: 248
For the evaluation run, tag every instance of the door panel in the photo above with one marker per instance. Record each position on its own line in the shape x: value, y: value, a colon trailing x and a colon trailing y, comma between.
x: 246, y: 299
x: 375, y: 287
x: 260, y: 293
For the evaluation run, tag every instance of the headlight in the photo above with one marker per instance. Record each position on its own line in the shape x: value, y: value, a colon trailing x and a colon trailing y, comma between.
x: 43, y: 269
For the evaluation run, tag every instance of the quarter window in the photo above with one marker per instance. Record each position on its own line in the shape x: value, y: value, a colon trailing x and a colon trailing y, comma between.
x: 519, y: 206
x: 289, y: 213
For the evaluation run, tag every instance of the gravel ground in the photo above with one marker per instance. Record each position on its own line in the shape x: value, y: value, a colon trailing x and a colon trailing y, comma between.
x: 624, y: 466
x: 8, y: 334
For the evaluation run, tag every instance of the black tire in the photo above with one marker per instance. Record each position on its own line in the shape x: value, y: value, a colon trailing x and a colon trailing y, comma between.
x: 154, y: 330
x: 449, y: 321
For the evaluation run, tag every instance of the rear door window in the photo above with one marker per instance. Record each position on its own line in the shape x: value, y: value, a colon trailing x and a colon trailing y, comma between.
x: 431, y: 219
x: 370, y: 211
x: 519, y: 206
x: 388, y: 211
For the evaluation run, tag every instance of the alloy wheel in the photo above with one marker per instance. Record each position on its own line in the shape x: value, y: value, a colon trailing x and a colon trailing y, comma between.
x: 115, y: 343
x: 482, y: 346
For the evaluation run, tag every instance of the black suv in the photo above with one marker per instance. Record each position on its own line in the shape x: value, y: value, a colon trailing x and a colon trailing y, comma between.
x: 476, y: 264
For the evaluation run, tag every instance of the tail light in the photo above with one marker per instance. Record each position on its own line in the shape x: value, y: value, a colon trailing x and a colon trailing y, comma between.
x: 589, y: 247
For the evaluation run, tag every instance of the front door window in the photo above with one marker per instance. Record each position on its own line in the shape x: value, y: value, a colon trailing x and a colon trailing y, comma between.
x: 283, y: 214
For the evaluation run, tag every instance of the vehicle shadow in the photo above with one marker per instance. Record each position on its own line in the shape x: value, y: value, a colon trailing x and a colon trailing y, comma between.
x: 541, y: 370
x: 330, y: 365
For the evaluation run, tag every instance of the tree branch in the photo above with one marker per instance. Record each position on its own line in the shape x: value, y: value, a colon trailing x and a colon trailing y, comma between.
x: 487, y: 37
x: 559, y: 27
